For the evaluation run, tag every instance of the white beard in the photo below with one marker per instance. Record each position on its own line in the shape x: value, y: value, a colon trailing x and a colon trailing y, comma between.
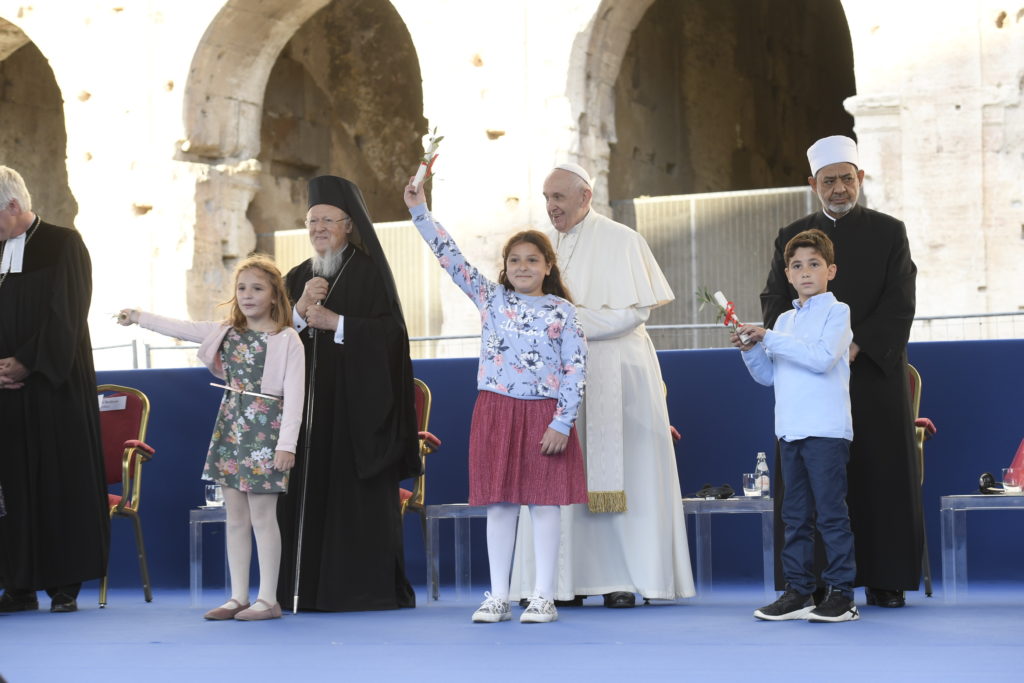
x: 327, y: 266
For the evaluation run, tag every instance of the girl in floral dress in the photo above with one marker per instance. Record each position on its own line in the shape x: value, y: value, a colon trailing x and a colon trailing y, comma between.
x: 523, y: 447
x: 259, y: 356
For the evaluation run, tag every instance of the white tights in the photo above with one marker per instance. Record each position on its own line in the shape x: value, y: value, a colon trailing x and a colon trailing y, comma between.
x: 248, y: 513
x: 501, y: 540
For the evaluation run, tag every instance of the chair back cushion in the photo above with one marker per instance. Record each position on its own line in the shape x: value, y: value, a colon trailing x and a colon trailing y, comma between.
x: 421, y: 405
x: 118, y: 425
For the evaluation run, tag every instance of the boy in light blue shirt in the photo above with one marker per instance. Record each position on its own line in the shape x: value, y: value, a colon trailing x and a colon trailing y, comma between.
x: 807, y: 358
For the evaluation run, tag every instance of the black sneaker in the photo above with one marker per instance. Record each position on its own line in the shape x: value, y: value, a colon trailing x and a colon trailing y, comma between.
x: 792, y: 605
x: 835, y: 607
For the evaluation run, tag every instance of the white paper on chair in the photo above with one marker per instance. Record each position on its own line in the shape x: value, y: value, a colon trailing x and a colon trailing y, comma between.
x: 113, y: 403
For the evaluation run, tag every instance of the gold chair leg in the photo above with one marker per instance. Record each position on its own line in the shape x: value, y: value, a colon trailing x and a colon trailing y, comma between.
x: 926, y: 569
x: 143, y: 566
x: 103, y: 590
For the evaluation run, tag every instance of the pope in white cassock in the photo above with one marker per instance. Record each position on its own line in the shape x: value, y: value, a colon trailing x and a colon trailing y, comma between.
x: 631, y: 537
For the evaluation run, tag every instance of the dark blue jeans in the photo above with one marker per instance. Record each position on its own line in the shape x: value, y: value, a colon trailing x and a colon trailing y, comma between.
x: 814, y: 473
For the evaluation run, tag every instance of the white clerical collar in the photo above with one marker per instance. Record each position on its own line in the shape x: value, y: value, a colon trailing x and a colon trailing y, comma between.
x: 14, y: 254
x: 575, y: 230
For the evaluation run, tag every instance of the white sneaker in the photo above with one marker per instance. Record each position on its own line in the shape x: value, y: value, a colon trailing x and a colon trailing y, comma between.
x: 492, y: 610
x: 539, y: 611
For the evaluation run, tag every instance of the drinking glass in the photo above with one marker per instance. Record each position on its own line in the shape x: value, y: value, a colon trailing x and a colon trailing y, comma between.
x: 751, y: 484
x: 1012, y: 480
x: 214, y: 496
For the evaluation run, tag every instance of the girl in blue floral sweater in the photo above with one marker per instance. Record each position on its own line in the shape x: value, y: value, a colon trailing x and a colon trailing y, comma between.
x: 523, y: 447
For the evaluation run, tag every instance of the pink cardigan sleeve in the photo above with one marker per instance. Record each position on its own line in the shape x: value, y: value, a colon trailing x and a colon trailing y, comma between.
x: 294, y: 392
x: 180, y: 329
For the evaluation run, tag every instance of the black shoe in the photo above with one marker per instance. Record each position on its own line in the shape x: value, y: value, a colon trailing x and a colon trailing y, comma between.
x: 619, y: 599
x: 18, y: 601
x: 62, y: 602
x: 791, y: 605
x: 577, y: 601
x: 883, y: 597
x: 835, y: 607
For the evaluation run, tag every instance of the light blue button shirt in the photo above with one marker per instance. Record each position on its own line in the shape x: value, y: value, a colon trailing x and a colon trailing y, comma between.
x: 807, y: 358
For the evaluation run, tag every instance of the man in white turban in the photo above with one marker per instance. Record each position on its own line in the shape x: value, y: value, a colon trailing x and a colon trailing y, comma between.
x: 631, y: 537
x: 876, y: 278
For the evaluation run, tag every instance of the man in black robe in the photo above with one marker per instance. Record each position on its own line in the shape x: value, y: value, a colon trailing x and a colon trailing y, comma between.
x: 875, y: 276
x: 56, y: 532
x: 359, y: 427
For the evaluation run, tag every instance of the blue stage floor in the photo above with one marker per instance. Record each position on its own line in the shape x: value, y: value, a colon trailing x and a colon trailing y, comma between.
x: 167, y: 640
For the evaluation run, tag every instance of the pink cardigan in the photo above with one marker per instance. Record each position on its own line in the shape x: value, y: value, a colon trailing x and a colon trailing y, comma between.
x: 284, y: 371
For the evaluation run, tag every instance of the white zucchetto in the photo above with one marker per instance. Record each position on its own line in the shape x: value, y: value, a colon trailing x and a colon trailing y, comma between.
x: 578, y: 170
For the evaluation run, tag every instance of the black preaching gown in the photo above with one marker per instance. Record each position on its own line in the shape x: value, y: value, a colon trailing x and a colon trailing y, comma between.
x: 876, y: 277
x: 56, y: 531
x: 363, y: 441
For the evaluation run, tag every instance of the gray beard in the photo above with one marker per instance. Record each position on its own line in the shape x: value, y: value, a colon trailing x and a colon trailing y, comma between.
x: 327, y: 266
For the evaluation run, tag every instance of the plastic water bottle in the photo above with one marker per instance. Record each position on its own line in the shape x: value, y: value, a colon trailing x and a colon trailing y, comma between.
x: 761, y: 468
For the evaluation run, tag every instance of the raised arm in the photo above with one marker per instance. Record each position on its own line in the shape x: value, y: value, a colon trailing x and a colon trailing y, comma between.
x: 465, y: 276
x: 170, y: 327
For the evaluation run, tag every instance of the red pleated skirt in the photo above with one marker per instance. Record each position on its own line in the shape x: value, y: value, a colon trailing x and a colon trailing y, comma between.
x: 505, y: 462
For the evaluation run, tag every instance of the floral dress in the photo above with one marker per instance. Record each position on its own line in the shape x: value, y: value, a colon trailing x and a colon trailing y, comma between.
x: 245, y: 436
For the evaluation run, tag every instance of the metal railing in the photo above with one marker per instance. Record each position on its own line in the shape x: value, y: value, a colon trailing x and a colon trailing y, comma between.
x: 1008, y: 325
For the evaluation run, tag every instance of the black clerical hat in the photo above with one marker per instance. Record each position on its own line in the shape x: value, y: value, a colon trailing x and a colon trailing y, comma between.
x: 332, y: 190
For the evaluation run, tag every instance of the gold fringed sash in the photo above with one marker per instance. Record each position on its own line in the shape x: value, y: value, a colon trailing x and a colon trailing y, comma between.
x: 606, y: 501
x: 603, y: 423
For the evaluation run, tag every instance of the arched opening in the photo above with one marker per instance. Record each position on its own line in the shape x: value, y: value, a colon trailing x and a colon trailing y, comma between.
x: 279, y: 91
x: 33, y: 138
x: 344, y: 97
x: 727, y: 95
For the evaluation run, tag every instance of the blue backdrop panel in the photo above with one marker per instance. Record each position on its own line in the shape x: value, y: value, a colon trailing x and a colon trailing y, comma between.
x: 969, y: 390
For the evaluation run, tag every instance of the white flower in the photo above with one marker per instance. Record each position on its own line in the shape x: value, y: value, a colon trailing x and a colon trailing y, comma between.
x: 265, y: 453
x: 531, y: 360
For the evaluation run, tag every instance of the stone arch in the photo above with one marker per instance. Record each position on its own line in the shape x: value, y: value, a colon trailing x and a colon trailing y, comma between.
x: 597, y: 57
x: 33, y: 138
x: 344, y: 97
x: 726, y: 96
x: 250, y: 167
x: 716, y: 117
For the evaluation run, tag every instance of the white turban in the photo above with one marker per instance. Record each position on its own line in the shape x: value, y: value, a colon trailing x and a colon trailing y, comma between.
x: 834, y: 149
x: 578, y: 170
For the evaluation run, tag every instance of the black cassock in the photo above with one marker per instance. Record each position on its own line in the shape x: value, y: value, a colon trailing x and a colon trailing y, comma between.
x: 363, y: 443
x: 56, y: 531
x: 876, y: 277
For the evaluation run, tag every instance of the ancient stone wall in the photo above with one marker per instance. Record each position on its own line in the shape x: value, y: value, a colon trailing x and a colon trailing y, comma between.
x: 343, y: 98
x: 188, y: 126
x: 723, y: 96
x: 33, y: 139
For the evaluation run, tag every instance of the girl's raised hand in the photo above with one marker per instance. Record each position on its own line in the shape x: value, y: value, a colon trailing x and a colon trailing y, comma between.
x: 413, y: 195
x: 283, y: 461
x: 127, y: 316
x: 553, y: 442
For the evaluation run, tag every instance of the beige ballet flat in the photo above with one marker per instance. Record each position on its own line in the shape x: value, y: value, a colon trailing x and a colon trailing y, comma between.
x: 225, y: 613
x: 272, y: 612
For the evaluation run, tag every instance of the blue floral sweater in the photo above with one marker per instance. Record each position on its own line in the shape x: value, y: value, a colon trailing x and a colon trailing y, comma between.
x: 531, y: 347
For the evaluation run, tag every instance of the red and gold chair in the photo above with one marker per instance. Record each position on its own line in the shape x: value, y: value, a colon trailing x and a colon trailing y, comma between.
x: 414, y: 500
x: 123, y: 432
x: 923, y: 430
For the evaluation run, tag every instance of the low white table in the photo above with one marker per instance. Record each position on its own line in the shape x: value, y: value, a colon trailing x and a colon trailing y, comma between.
x: 197, y: 517
x: 954, y: 535
x: 703, y: 508
x: 461, y: 513
x: 700, y: 508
